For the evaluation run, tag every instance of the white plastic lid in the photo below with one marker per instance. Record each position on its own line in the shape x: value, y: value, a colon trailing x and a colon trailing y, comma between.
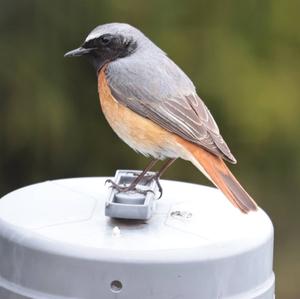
x: 55, y: 242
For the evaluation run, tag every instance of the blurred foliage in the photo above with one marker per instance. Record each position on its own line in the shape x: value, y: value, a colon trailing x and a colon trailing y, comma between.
x: 243, y: 56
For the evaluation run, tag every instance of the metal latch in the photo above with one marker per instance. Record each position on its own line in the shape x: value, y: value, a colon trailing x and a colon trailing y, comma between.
x: 132, y: 204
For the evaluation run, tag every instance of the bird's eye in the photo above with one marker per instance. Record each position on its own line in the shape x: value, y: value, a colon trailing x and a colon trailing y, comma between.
x: 105, y: 39
x: 98, y: 42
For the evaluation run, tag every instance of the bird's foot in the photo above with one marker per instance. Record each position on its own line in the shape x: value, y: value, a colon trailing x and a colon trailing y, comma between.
x: 125, y: 188
x: 119, y: 188
x: 156, y: 178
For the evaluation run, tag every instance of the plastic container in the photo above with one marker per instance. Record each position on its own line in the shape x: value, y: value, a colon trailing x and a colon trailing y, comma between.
x: 56, y: 243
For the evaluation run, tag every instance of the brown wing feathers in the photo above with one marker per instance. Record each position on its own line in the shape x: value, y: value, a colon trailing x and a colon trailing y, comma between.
x: 189, y: 118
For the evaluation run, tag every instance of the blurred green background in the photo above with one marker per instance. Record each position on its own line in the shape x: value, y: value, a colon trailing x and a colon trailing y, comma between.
x: 243, y: 56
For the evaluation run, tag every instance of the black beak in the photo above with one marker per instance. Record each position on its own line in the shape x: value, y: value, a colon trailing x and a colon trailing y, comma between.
x: 79, y: 52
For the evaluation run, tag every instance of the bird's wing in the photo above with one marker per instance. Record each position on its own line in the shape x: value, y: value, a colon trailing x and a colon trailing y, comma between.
x: 184, y: 115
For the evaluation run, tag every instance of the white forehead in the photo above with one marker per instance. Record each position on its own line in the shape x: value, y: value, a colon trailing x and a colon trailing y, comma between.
x: 115, y: 28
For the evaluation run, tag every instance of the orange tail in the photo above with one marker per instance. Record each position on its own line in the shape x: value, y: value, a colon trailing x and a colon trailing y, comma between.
x: 217, y: 171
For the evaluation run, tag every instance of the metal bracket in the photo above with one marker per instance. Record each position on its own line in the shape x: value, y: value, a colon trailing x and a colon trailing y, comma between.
x: 132, y: 205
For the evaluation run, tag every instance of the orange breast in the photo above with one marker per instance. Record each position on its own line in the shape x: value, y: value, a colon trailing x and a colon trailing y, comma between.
x: 140, y: 133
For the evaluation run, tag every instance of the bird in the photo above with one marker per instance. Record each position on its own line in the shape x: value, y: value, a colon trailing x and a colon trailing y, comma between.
x: 153, y: 106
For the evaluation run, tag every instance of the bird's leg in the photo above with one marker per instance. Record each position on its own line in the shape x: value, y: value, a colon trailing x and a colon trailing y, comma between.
x: 134, y: 183
x: 158, y: 174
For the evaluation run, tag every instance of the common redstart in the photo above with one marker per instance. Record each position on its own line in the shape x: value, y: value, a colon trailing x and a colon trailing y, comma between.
x: 152, y: 105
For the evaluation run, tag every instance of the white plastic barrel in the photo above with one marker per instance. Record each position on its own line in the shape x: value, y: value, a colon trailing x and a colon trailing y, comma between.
x: 56, y: 243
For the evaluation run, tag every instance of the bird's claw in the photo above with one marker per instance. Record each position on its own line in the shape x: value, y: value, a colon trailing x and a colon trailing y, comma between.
x: 155, y: 177
x: 112, y: 184
x: 144, y: 192
x: 125, y: 188
x: 119, y: 188
x: 109, y: 181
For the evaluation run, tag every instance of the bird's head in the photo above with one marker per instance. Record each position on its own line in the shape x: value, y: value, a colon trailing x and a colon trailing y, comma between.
x: 107, y: 43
